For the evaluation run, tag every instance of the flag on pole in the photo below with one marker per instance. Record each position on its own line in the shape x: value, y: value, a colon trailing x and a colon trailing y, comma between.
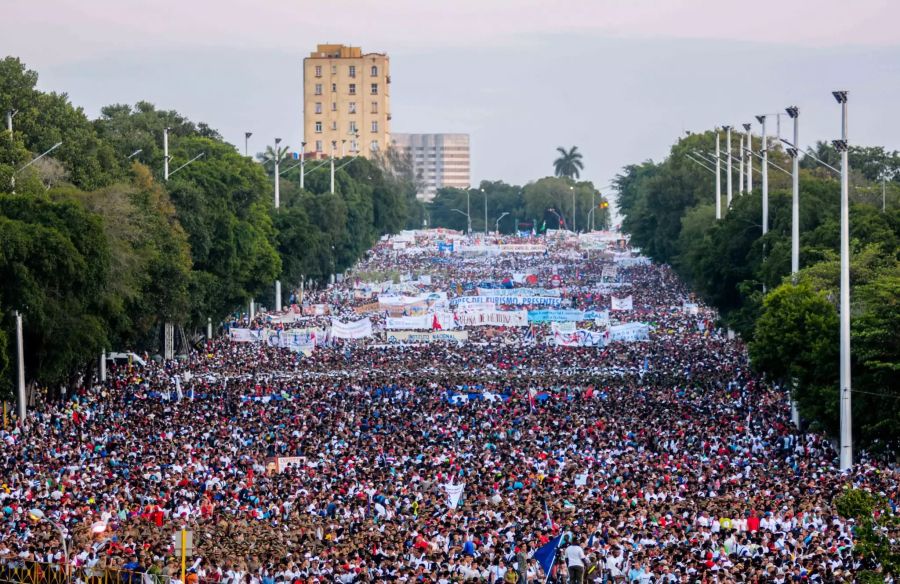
x: 547, y: 513
x: 546, y: 555
x: 436, y: 324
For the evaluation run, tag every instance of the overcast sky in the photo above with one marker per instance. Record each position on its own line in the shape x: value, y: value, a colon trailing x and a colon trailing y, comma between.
x: 621, y: 79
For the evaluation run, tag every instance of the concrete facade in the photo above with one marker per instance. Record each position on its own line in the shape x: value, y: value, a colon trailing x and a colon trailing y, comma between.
x: 346, y: 101
x: 438, y: 160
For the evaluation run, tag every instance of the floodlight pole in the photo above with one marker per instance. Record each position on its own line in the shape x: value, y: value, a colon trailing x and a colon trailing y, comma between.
x: 165, y: 154
x: 846, y: 458
x: 333, y: 147
x: 728, y: 180
x: 765, y: 176
x: 718, y: 178
x: 741, y: 169
x: 277, y: 206
x: 302, y: 160
x: 749, y: 158
x: 794, y: 113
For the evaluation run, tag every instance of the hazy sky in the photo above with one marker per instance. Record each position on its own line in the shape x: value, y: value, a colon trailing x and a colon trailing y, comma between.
x: 621, y: 79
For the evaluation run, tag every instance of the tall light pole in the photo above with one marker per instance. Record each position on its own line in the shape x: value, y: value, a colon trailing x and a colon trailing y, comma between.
x: 765, y: 175
x: 794, y: 113
x: 247, y: 142
x: 485, y: 211
x: 165, y: 154
x: 468, y: 213
x: 37, y: 516
x: 741, y: 168
x: 749, y: 158
x: 20, y: 364
x: 572, y: 188
x: 302, y: 159
x: 728, y: 165
x: 718, y: 178
x: 846, y: 458
x: 497, y: 224
x: 277, y: 206
x: 333, y: 148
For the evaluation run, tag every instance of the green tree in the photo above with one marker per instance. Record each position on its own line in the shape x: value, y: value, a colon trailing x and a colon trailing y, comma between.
x: 569, y: 164
x: 873, y: 522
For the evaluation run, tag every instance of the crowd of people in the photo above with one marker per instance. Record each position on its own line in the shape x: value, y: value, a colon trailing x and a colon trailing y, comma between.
x: 664, y: 460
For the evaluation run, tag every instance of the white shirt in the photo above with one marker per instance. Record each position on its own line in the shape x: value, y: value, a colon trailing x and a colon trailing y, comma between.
x: 575, y: 556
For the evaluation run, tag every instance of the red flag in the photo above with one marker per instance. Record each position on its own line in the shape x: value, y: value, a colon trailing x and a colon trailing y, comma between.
x: 436, y: 325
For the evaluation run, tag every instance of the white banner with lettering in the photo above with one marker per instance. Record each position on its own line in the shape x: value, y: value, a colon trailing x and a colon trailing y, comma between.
x: 496, y: 318
x: 454, y: 493
x: 622, y: 303
x: 351, y: 330
x: 510, y: 300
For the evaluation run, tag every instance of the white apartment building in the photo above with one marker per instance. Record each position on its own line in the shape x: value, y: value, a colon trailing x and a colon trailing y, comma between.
x: 438, y: 160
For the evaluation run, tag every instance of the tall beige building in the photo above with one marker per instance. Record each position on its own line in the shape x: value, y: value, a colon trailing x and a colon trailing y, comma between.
x: 438, y: 160
x: 346, y: 101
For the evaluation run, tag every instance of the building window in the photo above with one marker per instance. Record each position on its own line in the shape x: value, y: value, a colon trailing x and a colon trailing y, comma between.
x: 374, y: 89
x: 353, y: 129
x: 334, y: 125
x: 334, y: 106
x: 374, y: 107
x: 334, y: 69
x: 354, y: 146
x: 334, y: 88
x: 374, y: 71
x: 374, y: 145
x: 352, y: 107
x: 318, y: 107
x: 352, y: 70
x: 318, y: 89
x: 318, y: 70
x: 375, y: 126
x: 318, y: 127
x: 353, y: 89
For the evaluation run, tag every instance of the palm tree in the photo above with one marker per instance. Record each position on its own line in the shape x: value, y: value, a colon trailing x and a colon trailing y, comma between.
x: 569, y: 163
x: 269, y: 154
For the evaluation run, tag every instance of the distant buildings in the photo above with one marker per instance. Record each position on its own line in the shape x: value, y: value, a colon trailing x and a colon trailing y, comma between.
x: 346, y: 111
x: 346, y: 101
x: 438, y: 160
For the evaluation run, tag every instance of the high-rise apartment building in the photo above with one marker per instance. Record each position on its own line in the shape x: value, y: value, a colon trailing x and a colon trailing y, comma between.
x: 346, y: 101
x: 438, y: 160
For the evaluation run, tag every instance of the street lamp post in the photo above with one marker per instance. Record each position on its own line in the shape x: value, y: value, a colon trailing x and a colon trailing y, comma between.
x: 749, y: 158
x: 468, y: 212
x: 497, y: 223
x: 165, y: 154
x: 718, y: 178
x: 765, y: 175
x: 302, y: 159
x: 572, y: 188
x: 20, y: 364
x: 277, y: 206
x: 247, y: 142
x: 728, y: 166
x: 846, y: 458
x: 37, y: 516
x: 794, y: 113
x: 485, y: 210
x: 333, y: 148
x: 468, y: 220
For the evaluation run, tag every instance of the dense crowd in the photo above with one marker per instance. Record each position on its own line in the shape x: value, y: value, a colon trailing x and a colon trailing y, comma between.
x: 662, y: 460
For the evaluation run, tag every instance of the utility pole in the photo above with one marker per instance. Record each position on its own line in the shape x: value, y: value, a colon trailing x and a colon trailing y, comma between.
x: 302, y: 160
x: 333, y: 148
x: 718, y: 178
x: 165, y: 154
x: 20, y: 362
x: 765, y: 175
x: 749, y: 158
x: 277, y: 206
x: 846, y: 458
x: 728, y: 165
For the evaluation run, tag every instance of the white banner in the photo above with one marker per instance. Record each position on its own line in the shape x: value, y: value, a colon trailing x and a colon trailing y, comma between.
x: 508, y: 300
x: 522, y: 248
x: 409, y: 337
x: 351, y: 330
x: 563, y: 327
x: 632, y: 331
x: 243, y: 335
x: 691, y: 308
x: 454, y: 494
x: 517, y: 292
x: 420, y: 322
x: 622, y: 303
x: 580, y: 338
x: 496, y: 318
